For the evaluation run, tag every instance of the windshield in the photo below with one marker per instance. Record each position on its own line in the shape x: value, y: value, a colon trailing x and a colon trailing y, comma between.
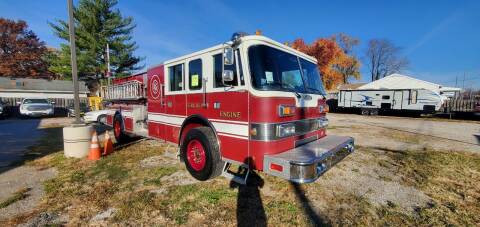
x: 273, y: 69
x: 36, y: 101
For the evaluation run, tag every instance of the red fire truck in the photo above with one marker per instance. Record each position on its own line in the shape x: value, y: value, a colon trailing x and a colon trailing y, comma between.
x: 251, y: 102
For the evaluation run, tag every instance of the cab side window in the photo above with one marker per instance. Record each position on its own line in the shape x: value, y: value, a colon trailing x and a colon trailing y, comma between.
x: 218, y: 72
x: 195, y: 74
x: 176, y: 77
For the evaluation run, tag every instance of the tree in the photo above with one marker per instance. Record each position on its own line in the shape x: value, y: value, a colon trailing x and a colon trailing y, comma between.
x: 329, y: 57
x: 383, y: 58
x: 350, y: 67
x: 96, y: 24
x: 21, y: 52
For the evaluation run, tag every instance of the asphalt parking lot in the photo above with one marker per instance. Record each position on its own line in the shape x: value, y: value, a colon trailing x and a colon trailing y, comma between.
x: 17, y: 135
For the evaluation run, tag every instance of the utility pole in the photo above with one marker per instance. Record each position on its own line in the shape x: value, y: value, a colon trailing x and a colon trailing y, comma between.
x: 463, y: 85
x: 109, y: 74
x: 73, y: 55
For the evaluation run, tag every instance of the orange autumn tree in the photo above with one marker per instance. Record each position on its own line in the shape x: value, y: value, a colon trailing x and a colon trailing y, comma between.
x: 330, y: 58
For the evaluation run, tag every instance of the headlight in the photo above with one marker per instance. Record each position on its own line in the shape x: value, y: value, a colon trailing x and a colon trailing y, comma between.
x: 284, y: 130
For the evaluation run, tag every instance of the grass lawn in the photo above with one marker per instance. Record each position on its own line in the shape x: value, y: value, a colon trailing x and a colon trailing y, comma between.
x: 144, y: 184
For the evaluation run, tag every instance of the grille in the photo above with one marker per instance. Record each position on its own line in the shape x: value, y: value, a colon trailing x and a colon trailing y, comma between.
x: 37, y: 108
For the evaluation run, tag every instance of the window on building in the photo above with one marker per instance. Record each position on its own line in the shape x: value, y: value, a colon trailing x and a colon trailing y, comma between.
x: 385, y: 96
x: 195, y: 74
x: 176, y: 77
x: 413, y: 96
x: 218, y: 71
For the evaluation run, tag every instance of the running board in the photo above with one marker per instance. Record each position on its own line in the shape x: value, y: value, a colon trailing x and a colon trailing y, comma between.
x: 240, y: 176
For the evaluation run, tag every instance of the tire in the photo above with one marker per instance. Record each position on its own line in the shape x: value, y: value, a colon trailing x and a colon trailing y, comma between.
x: 200, y: 152
x: 374, y: 112
x: 365, y: 111
x: 102, y: 119
x: 118, y: 129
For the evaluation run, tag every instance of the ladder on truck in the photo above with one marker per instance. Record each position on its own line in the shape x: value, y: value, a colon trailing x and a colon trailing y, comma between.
x: 131, y: 90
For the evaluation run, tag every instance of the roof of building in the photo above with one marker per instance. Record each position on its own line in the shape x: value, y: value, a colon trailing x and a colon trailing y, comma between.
x: 399, y: 81
x: 39, y: 85
x: 346, y: 87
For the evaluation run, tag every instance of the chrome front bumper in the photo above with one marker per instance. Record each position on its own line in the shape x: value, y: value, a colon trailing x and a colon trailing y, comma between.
x: 306, y: 163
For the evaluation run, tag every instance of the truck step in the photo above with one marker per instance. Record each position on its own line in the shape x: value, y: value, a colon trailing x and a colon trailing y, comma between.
x: 239, y: 177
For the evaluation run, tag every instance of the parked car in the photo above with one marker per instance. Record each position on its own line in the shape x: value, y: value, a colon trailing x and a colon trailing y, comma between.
x: 36, y: 107
x: 71, y: 109
x: 99, y: 116
x: 3, y: 110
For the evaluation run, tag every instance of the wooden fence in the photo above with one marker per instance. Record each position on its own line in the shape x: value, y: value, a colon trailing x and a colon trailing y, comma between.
x: 460, y: 105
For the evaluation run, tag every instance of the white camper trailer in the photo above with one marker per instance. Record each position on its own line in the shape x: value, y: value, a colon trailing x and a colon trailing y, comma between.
x: 370, y: 102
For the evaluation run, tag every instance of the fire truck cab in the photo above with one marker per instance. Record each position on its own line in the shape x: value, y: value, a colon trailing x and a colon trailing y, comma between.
x: 251, y: 101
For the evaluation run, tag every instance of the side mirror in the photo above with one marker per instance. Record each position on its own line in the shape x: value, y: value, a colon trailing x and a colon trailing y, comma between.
x: 228, y: 76
x: 19, y: 103
x: 228, y: 57
x: 52, y: 103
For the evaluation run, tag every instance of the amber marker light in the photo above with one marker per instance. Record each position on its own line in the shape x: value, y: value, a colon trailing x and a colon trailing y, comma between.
x: 284, y: 111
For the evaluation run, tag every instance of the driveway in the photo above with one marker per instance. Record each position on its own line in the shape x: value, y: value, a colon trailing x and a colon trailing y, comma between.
x: 443, y: 134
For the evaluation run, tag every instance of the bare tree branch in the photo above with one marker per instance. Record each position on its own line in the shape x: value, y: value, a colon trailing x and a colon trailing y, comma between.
x: 383, y: 58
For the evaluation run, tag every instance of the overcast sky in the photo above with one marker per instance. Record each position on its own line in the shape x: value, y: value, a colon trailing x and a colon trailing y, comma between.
x: 440, y: 38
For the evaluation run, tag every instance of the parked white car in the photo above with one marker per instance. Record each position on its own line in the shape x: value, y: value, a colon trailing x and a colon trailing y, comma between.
x: 99, y: 116
x: 36, y: 107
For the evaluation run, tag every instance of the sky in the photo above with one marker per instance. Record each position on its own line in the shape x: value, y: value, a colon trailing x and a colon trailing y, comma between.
x: 441, y: 39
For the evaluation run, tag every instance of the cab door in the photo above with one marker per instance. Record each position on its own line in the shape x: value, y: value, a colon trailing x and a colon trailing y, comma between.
x: 175, y: 100
x: 228, y: 105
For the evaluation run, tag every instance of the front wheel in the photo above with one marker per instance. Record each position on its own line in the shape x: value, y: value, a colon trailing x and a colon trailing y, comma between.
x: 200, y: 152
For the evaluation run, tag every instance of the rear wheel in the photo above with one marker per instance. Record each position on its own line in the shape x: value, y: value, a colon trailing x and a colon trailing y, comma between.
x: 200, y: 152
x: 365, y: 111
x: 118, y: 129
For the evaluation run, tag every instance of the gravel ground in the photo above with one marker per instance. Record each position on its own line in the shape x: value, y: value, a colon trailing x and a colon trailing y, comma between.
x: 19, y: 135
x: 439, y: 134
x: 18, y: 178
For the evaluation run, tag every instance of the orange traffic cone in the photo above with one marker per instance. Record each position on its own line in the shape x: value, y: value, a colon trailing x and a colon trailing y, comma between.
x: 108, y: 145
x: 95, y: 152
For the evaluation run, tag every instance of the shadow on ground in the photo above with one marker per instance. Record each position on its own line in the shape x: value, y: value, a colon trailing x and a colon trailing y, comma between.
x: 250, y: 208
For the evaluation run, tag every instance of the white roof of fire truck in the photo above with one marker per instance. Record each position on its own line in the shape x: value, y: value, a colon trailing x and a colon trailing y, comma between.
x: 253, y: 38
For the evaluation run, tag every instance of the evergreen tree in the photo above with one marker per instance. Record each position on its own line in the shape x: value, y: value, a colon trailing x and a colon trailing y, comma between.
x: 97, y: 23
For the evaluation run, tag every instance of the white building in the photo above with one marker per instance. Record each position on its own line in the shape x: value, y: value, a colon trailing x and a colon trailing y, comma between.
x: 399, y: 81
x: 13, y: 90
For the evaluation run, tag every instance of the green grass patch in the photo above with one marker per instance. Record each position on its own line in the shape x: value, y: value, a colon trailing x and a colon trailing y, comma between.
x: 17, y: 196
x: 153, y: 176
x: 214, y: 196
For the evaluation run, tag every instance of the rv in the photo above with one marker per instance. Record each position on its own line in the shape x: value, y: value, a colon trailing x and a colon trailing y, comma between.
x: 373, y: 101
